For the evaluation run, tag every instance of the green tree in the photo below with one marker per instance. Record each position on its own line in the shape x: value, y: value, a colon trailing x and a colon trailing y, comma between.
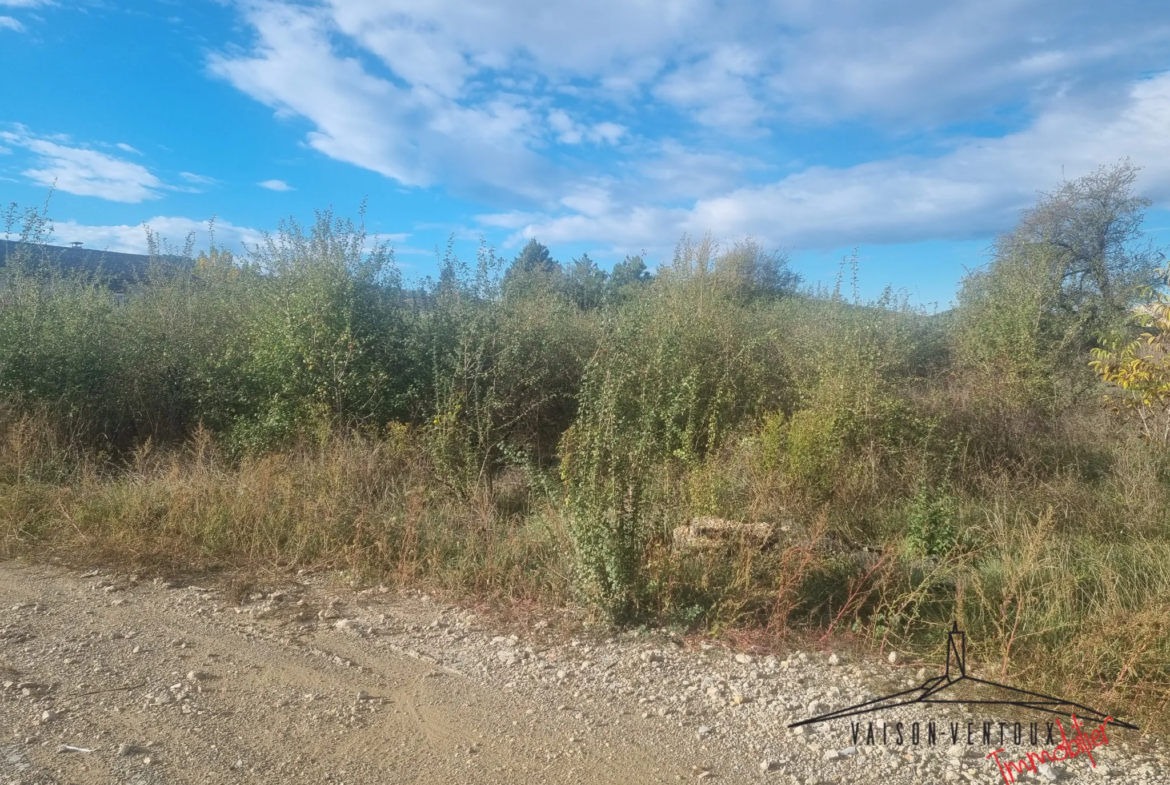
x: 535, y: 257
x: 1062, y: 280
x: 631, y: 270
x: 533, y: 270
x: 585, y: 283
x: 1094, y: 224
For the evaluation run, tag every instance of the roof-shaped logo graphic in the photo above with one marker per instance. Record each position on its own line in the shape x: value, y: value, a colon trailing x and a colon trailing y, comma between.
x: 954, y: 680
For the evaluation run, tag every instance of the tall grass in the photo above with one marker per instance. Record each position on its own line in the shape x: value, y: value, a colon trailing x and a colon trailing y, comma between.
x: 303, y: 406
x: 365, y: 504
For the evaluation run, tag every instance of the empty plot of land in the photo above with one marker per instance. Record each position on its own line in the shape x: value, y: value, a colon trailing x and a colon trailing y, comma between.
x: 108, y: 678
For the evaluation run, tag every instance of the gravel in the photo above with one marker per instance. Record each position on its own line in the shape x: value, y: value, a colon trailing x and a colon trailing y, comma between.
x: 211, y: 691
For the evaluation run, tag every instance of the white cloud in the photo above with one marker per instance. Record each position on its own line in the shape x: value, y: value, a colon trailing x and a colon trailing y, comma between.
x: 294, y: 70
x: 454, y: 39
x: 197, y: 179
x: 974, y: 190
x: 497, y: 102
x: 7, y: 22
x: 414, y: 135
x: 719, y: 88
x: 25, y: 3
x: 728, y: 66
x: 85, y: 172
x: 127, y: 238
x: 174, y: 230
x: 127, y: 148
x: 275, y: 185
x: 466, y: 94
x: 677, y: 172
x: 915, y: 62
x: 570, y: 132
x: 416, y: 53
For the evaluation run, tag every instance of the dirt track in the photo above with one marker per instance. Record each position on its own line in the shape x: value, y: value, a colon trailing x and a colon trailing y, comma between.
x: 305, y: 682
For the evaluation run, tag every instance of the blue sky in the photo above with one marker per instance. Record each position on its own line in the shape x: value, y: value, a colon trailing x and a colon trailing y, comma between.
x: 913, y: 131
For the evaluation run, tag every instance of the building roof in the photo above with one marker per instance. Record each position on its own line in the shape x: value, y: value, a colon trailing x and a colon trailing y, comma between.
x: 121, y: 267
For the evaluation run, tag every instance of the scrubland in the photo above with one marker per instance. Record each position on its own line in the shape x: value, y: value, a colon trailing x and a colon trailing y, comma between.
x: 534, y: 432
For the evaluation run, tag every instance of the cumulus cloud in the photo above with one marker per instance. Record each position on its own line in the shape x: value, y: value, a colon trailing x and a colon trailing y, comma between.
x: 720, y: 88
x: 457, y: 40
x: 916, y: 61
x: 974, y: 190
x: 275, y: 185
x: 414, y: 135
x: 570, y: 132
x: 449, y: 108
x: 553, y: 114
x: 909, y: 60
x: 82, y: 171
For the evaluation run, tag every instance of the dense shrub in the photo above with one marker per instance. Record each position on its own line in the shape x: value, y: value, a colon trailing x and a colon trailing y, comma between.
x: 538, y: 429
x: 679, y: 369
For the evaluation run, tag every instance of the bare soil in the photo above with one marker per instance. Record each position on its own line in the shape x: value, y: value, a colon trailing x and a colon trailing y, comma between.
x: 105, y: 677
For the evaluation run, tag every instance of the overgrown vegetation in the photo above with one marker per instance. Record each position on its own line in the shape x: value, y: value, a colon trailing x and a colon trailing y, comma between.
x: 539, y: 429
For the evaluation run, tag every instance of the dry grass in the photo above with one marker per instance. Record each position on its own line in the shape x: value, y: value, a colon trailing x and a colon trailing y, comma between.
x: 1063, y: 581
x: 361, y: 505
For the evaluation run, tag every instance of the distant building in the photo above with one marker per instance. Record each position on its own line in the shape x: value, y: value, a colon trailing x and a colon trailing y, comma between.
x: 122, y: 269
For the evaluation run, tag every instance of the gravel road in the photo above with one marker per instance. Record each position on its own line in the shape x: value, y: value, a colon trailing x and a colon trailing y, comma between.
x: 105, y: 678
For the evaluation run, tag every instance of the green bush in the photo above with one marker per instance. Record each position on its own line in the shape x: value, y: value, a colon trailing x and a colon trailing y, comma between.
x: 931, y: 525
x: 679, y: 369
x: 496, y: 373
